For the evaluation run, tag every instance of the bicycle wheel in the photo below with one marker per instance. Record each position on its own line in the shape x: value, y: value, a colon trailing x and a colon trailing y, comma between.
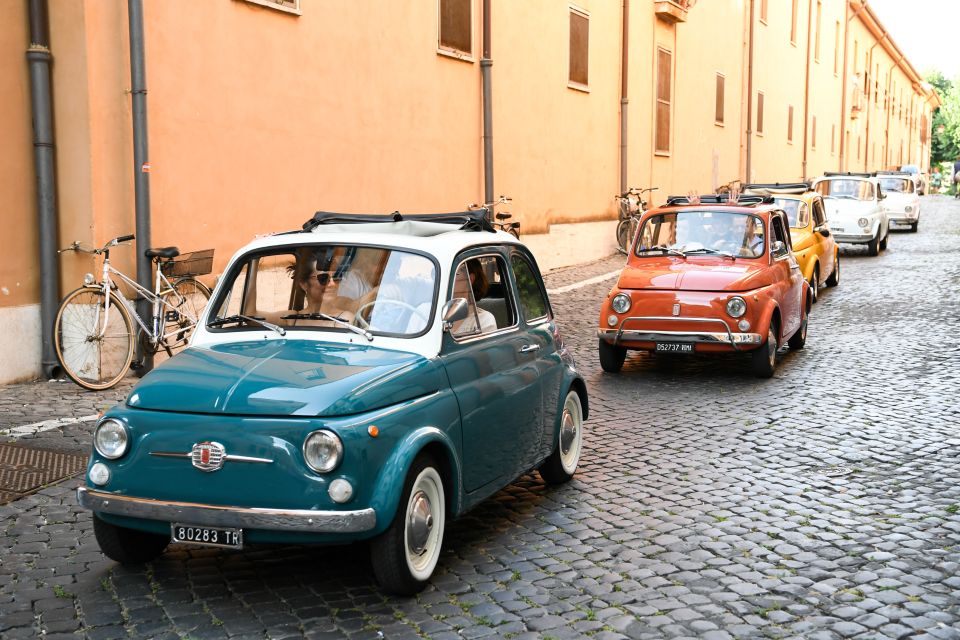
x: 94, y: 348
x: 188, y: 298
x: 623, y: 235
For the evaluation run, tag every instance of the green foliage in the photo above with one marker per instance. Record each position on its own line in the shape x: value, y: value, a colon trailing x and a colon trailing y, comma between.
x: 945, y: 143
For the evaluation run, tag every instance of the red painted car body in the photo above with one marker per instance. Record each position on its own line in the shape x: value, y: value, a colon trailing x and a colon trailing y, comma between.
x: 680, y: 290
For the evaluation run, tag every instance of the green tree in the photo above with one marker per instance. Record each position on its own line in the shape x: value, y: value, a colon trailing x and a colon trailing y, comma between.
x: 945, y: 142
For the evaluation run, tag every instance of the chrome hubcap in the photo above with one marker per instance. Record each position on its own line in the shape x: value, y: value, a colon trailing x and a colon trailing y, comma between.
x: 568, y: 432
x: 419, y: 523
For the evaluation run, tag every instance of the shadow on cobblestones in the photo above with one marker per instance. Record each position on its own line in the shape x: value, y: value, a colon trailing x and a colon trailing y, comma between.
x: 820, y: 504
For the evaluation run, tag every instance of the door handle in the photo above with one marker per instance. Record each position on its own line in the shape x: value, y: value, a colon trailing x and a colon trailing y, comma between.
x: 528, y: 348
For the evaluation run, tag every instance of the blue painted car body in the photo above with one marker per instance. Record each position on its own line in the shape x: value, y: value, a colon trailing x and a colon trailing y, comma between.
x: 488, y: 410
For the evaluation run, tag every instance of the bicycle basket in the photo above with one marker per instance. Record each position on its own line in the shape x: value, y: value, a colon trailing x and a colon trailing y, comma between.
x: 195, y: 263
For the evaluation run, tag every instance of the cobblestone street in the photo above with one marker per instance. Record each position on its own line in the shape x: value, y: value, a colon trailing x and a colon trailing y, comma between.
x: 822, y: 503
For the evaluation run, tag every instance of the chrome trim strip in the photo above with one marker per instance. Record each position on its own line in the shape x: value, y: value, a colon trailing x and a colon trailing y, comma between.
x: 219, y: 516
x: 227, y: 458
x: 704, y: 336
x: 681, y: 336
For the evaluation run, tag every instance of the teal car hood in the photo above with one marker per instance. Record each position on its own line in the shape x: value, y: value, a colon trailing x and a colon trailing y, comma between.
x: 285, y: 378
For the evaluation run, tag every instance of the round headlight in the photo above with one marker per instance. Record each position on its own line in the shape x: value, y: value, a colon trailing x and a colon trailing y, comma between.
x: 110, y: 439
x: 88, y: 279
x: 909, y: 208
x: 340, y: 491
x: 322, y: 451
x: 744, y: 325
x: 621, y: 303
x: 864, y: 222
x: 736, y: 307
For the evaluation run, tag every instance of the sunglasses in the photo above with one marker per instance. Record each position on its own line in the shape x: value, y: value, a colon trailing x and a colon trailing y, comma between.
x: 324, y: 277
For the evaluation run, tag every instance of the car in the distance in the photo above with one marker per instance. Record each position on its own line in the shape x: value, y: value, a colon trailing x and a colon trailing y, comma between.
x: 855, y: 209
x: 919, y: 180
x: 706, y: 275
x: 902, y: 200
x: 366, y: 378
x: 813, y: 243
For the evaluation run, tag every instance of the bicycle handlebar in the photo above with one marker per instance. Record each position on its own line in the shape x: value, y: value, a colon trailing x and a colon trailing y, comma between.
x: 124, y: 238
x: 75, y: 245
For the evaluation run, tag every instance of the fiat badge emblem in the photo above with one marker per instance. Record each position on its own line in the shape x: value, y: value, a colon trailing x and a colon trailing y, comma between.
x: 208, y: 456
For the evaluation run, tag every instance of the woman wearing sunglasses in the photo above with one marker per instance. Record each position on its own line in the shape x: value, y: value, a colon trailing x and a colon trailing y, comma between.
x: 328, y: 284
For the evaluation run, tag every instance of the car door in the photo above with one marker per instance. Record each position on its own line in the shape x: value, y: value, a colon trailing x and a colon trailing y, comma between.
x: 537, y: 319
x: 493, y: 375
x: 788, y: 277
x: 824, y: 241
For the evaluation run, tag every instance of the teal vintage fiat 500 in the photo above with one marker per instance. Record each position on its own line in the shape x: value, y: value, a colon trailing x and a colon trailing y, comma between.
x: 368, y: 377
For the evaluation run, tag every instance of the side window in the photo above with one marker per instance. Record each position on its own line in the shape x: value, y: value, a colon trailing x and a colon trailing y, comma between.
x: 818, y: 217
x: 803, y: 217
x: 482, y: 282
x: 781, y: 235
x: 533, y: 305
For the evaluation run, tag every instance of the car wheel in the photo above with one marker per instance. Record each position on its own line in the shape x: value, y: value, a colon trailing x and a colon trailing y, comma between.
x: 834, y: 278
x: 562, y: 463
x: 913, y: 226
x: 815, y: 284
x: 883, y: 243
x: 127, y: 546
x: 873, y: 247
x: 611, y: 356
x: 405, y: 555
x: 798, y: 339
x: 764, y: 359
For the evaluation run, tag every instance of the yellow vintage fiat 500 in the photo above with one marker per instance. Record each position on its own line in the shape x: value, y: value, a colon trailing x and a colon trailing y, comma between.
x: 813, y: 244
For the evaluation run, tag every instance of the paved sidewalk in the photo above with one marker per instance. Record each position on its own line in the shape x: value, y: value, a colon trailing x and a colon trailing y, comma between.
x: 823, y: 503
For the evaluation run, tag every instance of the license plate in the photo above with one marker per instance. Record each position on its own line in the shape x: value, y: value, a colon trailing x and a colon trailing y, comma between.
x: 674, y: 347
x: 207, y: 536
x: 835, y: 229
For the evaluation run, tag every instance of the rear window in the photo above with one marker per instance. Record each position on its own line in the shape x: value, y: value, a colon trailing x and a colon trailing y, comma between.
x: 845, y: 188
x: 897, y: 185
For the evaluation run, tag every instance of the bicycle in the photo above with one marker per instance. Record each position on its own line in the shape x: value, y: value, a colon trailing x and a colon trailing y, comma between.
x: 94, y: 334
x: 499, y: 218
x: 631, y: 206
x: 733, y: 189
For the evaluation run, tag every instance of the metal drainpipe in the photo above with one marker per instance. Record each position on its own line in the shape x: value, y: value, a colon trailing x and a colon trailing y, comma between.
x: 886, y: 141
x: 806, y: 94
x: 138, y: 91
x: 747, y: 177
x: 624, y: 85
x: 875, y: 91
x: 485, y: 63
x: 38, y: 62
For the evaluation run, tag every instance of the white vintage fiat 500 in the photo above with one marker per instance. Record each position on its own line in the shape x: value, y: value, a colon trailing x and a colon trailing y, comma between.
x: 902, y: 200
x: 855, y: 209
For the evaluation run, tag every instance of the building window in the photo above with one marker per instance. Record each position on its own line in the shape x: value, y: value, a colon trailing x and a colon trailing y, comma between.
x: 763, y: 11
x: 813, y: 133
x: 718, y: 107
x: 289, y: 6
x: 836, y: 49
x: 793, y: 23
x: 790, y: 123
x: 456, y: 27
x: 816, y: 45
x: 760, y: 112
x: 664, y: 89
x: 579, y: 48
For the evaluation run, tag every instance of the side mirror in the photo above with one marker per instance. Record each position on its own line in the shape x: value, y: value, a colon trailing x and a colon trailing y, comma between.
x: 778, y: 248
x: 881, y: 196
x: 453, y: 311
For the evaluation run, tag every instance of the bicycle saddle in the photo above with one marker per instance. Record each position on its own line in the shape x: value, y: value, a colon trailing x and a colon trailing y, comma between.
x: 503, y: 216
x: 162, y: 252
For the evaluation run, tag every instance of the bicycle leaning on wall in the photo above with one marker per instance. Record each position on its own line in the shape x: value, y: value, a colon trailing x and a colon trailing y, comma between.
x: 631, y: 206
x: 94, y: 332
x: 499, y: 218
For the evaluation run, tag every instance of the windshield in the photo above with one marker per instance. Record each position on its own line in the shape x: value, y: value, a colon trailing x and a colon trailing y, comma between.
x: 796, y: 211
x: 910, y: 168
x: 845, y: 188
x: 899, y: 185
x: 737, y: 234
x: 330, y: 287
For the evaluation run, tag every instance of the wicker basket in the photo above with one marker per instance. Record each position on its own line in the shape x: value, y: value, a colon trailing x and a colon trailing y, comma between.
x: 195, y: 263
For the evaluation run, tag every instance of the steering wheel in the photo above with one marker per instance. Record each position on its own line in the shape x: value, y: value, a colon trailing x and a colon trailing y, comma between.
x: 359, y: 320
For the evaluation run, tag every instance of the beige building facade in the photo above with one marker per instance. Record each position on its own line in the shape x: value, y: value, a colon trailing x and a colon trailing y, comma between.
x: 264, y: 111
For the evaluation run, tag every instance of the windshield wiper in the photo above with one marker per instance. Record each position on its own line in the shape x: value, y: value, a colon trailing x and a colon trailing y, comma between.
x: 712, y: 251
x: 667, y: 250
x: 337, y: 321
x: 240, y: 318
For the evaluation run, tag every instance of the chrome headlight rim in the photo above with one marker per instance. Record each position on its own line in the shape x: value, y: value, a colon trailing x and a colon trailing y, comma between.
x: 736, y: 307
x: 121, y: 444
x: 330, y: 439
x: 621, y: 303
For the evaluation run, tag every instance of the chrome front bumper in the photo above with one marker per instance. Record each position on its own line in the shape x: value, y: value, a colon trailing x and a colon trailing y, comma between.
x: 728, y: 337
x: 216, y: 516
x: 851, y: 238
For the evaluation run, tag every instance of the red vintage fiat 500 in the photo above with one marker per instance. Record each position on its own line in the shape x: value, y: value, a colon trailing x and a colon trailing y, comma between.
x: 706, y: 275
